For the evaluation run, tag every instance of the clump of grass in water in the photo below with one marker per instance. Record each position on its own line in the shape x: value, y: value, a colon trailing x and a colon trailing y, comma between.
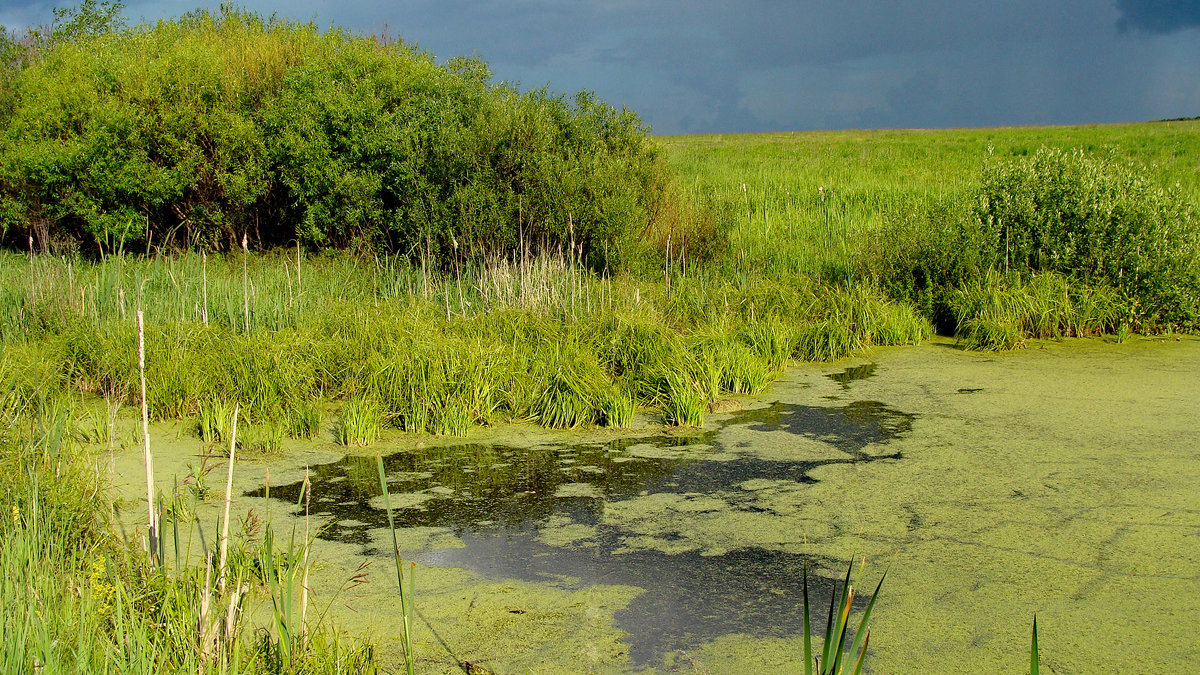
x: 998, y: 312
x: 684, y: 405
x: 264, y: 438
x: 452, y: 419
x: 569, y: 399
x: 360, y: 422
x: 1123, y: 332
x: 304, y: 420
x: 742, y: 371
x: 835, y: 660
x: 213, y: 420
x: 616, y: 409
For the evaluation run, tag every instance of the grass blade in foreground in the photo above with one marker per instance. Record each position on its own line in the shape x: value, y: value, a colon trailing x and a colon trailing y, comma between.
x: 406, y: 600
x: 836, y: 624
x: 808, y: 661
x: 1033, y: 650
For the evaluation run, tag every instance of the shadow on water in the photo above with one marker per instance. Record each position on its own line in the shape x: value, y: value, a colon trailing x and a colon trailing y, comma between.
x: 497, y: 498
x: 852, y: 374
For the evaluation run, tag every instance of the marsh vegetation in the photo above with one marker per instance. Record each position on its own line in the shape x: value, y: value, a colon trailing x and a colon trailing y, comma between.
x: 335, y: 239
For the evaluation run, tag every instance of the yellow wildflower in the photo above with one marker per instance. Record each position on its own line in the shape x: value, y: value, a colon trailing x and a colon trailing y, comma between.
x: 103, y: 592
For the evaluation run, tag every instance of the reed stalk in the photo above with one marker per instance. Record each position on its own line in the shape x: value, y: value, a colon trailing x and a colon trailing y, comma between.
x: 299, y: 285
x: 204, y: 281
x: 147, y: 458
x: 307, y: 546
x: 224, y: 543
x: 245, y: 283
x: 406, y: 595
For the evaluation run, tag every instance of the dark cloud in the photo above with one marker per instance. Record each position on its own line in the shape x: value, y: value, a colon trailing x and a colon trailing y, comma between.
x: 714, y: 65
x: 1158, y: 16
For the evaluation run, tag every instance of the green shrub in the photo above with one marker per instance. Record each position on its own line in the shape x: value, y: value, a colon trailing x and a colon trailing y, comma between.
x: 1096, y: 221
x: 206, y: 127
x: 923, y: 250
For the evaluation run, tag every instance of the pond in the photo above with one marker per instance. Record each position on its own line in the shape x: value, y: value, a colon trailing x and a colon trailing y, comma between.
x: 1061, y: 480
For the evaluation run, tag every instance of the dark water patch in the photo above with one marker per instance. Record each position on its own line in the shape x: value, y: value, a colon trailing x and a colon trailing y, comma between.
x: 689, y: 598
x: 499, y: 499
x: 852, y: 374
x: 849, y: 428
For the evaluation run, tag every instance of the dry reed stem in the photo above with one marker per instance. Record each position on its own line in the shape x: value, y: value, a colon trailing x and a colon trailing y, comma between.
x: 224, y: 545
x: 245, y: 283
x: 206, y: 630
x: 147, y: 458
x: 304, y: 583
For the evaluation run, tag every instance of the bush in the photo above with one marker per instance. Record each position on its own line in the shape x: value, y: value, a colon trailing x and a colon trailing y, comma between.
x: 1095, y: 222
x: 198, y: 130
x: 1100, y: 222
x: 925, y: 250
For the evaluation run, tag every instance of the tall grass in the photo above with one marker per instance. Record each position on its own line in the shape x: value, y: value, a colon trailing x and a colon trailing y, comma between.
x: 1000, y: 312
x: 360, y: 422
x: 76, y: 597
x: 528, y: 340
x: 921, y: 214
x: 805, y: 202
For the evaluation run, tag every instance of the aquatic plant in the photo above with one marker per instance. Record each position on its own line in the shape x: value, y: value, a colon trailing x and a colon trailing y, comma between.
x: 213, y: 420
x: 78, y: 597
x: 360, y: 422
x: 1000, y: 311
x: 684, y: 405
x: 263, y: 438
x: 406, y: 594
x: 836, y: 656
x: 304, y: 420
x: 616, y: 408
x: 1033, y: 650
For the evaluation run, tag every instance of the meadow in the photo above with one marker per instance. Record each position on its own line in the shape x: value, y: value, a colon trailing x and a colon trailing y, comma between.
x: 806, y: 201
x: 440, y: 254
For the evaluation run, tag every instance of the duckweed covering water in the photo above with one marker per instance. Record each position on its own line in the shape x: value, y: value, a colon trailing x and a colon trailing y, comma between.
x: 1061, y: 480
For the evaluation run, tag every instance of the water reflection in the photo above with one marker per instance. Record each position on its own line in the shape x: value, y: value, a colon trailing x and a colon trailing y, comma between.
x: 498, y: 498
x: 852, y: 374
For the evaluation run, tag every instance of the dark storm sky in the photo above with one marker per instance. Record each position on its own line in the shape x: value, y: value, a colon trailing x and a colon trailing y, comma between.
x: 707, y: 66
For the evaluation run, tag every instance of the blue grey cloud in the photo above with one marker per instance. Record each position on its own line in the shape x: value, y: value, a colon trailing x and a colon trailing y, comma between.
x: 1158, y: 16
x: 714, y: 65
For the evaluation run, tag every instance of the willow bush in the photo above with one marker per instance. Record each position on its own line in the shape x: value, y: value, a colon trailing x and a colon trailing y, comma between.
x: 1088, y: 219
x: 1100, y: 222
x: 199, y: 130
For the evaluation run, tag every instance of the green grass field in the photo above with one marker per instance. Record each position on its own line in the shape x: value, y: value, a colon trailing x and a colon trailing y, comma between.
x: 804, y: 201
